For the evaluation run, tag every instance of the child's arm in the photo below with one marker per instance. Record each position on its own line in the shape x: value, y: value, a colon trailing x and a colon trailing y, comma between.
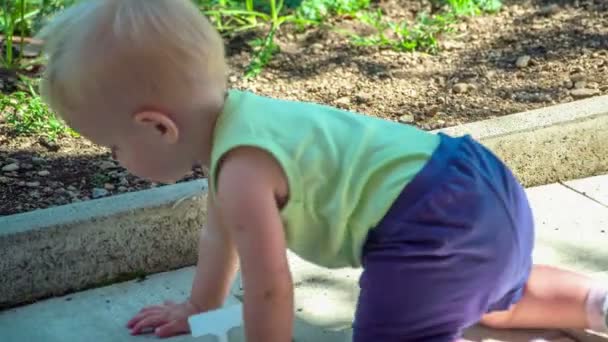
x: 248, y: 187
x: 216, y: 266
x: 215, y: 270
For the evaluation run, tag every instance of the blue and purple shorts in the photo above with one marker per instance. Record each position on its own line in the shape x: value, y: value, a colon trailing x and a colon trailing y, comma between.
x: 456, y: 244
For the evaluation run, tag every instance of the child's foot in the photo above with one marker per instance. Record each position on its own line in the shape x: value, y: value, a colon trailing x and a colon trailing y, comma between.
x: 597, y: 309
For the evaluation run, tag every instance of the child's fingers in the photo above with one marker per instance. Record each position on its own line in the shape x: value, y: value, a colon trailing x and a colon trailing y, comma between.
x: 149, y: 322
x: 152, y: 308
x: 140, y: 316
x: 171, y: 329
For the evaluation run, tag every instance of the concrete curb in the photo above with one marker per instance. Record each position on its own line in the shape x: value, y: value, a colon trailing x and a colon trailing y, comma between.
x: 548, y: 145
x: 58, y: 250
x: 68, y: 248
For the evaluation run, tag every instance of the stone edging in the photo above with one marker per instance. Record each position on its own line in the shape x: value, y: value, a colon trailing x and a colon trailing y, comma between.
x: 63, y: 249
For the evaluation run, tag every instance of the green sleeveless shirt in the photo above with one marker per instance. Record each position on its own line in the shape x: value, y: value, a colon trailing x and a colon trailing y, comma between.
x: 344, y: 169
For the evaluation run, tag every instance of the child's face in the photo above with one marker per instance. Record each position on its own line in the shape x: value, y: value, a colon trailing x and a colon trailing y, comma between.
x: 146, y: 143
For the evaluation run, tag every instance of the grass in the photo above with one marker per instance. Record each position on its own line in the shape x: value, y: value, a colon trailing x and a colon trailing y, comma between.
x: 231, y: 17
x: 26, y: 114
x: 423, y: 35
x: 20, y: 19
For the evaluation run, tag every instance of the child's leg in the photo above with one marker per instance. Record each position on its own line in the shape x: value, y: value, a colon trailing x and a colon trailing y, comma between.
x: 555, y: 298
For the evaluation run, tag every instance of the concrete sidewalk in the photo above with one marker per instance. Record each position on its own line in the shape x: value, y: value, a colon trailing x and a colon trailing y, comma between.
x: 572, y: 231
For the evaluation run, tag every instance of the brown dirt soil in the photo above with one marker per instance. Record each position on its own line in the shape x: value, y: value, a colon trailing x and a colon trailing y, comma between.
x: 532, y: 54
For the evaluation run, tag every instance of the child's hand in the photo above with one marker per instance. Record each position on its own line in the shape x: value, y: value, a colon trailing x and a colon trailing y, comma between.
x: 166, y: 320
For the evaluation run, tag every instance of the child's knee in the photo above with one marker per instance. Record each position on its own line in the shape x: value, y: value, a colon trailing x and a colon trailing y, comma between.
x: 498, y: 319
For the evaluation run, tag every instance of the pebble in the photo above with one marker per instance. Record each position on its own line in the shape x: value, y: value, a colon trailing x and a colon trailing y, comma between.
x: 72, y: 188
x: 460, y: 88
x: 44, y: 173
x: 35, y: 194
x: 407, y: 119
x: 401, y: 74
x: 32, y: 184
x: 4, y: 180
x: 38, y: 160
x: 11, y: 167
x: 107, y: 164
x: 343, y: 101
x: 584, y: 93
x: 578, y: 69
x: 523, y: 61
x: 593, y: 85
x: 109, y: 186
x: 363, y: 98
x: 580, y: 85
x: 578, y: 77
x: 26, y: 166
x: 549, y: 10
x: 122, y: 188
x: 98, y: 193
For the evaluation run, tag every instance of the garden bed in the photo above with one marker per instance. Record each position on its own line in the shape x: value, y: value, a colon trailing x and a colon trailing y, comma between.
x: 531, y: 54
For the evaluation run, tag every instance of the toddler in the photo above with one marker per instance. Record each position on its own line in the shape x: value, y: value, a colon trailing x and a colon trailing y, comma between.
x: 440, y: 226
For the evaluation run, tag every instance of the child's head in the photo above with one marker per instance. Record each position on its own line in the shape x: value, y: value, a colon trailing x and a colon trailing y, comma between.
x: 145, y: 77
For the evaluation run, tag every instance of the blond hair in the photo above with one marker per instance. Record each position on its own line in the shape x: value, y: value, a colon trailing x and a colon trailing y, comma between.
x: 130, y: 53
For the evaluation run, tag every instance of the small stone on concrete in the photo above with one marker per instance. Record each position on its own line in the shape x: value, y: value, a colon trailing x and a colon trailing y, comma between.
x: 11, y: 167
x: 523, y: 61
x: 407, y: 119
x: 584, y: 93
x: 343, y: 101
x: 98, y: 193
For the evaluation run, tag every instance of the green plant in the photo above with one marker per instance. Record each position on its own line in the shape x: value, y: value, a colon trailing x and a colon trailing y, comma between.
x: 230, y: 17
x: 26, y: 115
x: 403, y: 36
x: 12, y: 19
x: 265, y: 49
x: 19, y: 19
x: 472, y: 7
x: 318, y: 10
x: 98, y: 180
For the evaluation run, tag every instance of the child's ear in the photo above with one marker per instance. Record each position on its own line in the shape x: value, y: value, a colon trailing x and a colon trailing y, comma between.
x: 159, y: 122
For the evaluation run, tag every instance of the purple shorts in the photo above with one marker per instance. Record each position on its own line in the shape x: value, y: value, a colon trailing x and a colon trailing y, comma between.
x: 456, y: 244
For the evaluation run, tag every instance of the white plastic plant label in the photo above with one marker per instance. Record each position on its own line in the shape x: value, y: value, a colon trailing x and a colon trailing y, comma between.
x: 217, y: 322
